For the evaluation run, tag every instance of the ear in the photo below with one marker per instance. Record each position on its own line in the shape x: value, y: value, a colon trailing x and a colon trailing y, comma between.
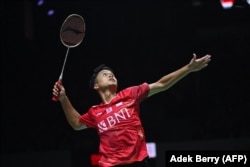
x: 96, y: 86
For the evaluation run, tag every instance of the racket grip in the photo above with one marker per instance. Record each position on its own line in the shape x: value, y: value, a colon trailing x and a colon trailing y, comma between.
x: 55, y: 98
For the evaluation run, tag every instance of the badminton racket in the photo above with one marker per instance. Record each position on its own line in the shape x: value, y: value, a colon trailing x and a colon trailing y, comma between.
x: 72, y: 33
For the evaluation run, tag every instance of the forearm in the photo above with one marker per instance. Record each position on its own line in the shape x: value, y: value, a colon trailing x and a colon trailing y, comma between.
x: 71, y: 114
x: 170, y: 79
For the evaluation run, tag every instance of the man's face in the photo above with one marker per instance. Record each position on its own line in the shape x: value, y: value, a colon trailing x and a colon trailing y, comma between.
x: 105, y: 80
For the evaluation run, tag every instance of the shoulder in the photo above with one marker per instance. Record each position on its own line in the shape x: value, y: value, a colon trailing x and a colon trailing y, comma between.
x: 136, y: 91
x: 144, y: 85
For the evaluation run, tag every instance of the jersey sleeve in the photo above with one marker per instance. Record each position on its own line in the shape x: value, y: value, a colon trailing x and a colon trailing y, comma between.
x: 87, y: 120
x: 140, y: 92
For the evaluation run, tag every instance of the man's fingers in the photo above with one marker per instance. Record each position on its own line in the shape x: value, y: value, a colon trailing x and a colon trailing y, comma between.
x: 194, y: 56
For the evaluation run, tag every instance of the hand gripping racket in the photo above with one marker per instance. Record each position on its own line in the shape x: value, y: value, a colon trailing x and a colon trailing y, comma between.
x: 72, y: 33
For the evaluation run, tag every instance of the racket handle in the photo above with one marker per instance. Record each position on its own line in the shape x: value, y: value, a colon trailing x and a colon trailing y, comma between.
x: 55, y: 98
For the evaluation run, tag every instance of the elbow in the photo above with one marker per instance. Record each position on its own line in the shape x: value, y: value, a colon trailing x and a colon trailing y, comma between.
x: 78, y: 126
x: 74, y: 127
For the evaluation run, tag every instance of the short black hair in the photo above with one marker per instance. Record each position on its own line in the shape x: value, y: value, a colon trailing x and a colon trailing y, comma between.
x: 95, y: 73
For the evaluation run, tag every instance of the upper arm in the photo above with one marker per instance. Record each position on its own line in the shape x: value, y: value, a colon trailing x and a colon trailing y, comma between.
x: 80, y: 126
x: 86, y: 121
x: 155, y: 88
x: 77, y: 124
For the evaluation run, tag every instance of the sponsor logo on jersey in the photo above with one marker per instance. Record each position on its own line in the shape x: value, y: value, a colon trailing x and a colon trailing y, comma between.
x: 108, y: 110
x: 113, y: 119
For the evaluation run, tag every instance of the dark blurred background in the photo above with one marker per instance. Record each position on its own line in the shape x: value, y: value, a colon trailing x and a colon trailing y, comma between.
x: 141, y: 40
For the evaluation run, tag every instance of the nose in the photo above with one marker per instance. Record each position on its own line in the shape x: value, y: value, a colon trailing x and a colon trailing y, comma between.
x: 111, y: 75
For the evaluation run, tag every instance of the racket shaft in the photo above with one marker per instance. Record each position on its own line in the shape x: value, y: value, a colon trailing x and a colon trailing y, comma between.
x: 59, y: 82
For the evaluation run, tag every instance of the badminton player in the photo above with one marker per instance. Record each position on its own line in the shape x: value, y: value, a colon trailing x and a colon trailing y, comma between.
x: 116, y: 118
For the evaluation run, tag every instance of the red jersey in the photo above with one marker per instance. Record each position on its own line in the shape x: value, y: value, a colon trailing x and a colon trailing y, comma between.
x: 119, y: 127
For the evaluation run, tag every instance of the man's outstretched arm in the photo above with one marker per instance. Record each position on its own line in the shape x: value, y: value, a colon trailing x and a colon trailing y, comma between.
x: 170, y: 79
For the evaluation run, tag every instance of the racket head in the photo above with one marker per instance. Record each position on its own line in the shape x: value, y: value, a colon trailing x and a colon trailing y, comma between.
x: 72, y: 31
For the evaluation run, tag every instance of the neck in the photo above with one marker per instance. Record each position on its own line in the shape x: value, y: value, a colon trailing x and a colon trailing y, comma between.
x: 107, y: 96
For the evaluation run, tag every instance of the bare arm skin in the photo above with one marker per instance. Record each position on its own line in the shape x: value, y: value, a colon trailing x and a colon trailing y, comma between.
x: 70, y: 112
x: 170, y: 79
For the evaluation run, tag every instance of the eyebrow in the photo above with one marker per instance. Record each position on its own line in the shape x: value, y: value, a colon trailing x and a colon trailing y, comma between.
x: 106, y: 71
